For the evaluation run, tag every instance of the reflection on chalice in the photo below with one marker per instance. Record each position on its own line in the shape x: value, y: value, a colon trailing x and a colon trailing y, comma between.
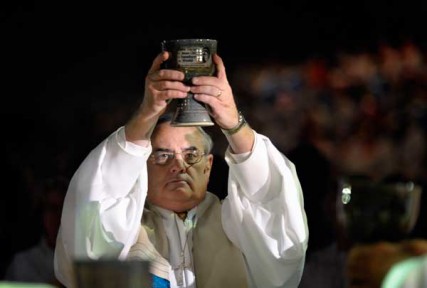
x: 194, y: 58
x: 370, y: 211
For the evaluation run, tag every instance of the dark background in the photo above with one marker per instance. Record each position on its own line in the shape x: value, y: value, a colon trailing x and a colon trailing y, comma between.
x: 65, y: 63
x: 64, y: 48
x: 59, y: 59
x: 62, y: 61
x: 59, y: 50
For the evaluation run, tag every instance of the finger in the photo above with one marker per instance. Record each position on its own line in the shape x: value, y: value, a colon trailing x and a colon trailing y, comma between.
x: 220, y: 67
x: 168, y: 75
x: 169, y: 95
x: 211, y: 91
x: 171, y: 85
x: 157, y: 62
x: 218, y: 80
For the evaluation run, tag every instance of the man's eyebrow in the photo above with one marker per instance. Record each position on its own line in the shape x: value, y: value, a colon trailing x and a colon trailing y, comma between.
x: 190, y: 148
x: 162, y: 150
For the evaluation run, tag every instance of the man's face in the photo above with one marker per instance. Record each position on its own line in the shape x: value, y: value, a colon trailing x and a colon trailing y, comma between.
x: 176, y: 185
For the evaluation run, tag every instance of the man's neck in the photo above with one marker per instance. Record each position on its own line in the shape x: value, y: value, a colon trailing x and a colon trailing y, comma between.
x: 182, y: 215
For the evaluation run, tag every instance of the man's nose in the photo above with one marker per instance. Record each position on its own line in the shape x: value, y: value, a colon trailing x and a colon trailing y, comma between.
x: 178, y: 164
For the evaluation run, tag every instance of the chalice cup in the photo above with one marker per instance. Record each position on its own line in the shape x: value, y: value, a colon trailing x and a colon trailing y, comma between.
x: 194, y: 58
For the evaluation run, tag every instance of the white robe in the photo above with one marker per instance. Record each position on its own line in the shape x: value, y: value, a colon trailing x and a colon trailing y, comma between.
x: 264, y: 210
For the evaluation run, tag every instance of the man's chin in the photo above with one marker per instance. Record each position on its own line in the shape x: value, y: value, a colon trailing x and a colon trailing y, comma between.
x: 178, y: 193
x: 178, y: 185
x: 177, y: 204
x: 182, y: 200
x: 176, y: 198
x: 181, y: 193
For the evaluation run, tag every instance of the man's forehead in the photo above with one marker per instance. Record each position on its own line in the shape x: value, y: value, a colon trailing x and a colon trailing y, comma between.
x: 166, y: 134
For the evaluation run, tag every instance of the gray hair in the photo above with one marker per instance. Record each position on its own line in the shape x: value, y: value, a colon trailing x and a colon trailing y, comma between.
x: 206, y: 138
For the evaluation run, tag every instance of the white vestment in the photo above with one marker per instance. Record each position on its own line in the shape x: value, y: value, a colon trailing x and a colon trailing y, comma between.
x: 264, y: 210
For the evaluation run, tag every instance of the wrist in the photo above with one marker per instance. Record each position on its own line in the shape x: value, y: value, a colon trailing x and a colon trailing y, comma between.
x: 240, y: 124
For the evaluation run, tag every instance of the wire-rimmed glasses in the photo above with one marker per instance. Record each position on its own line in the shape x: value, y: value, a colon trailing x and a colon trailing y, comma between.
x: 164, y: 157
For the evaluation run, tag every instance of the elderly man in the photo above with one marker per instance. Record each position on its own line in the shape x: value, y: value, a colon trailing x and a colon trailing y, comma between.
x: 142, y: 193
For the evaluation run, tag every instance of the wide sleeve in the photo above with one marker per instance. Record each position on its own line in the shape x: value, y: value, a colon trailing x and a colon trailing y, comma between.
x: 103, y: 206
x: 264, y: 215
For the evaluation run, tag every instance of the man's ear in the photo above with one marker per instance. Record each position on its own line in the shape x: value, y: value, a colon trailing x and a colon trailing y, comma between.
x: 208, y: 166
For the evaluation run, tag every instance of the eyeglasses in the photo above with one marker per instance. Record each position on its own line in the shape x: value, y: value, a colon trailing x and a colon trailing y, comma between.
x: 191, y: 156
